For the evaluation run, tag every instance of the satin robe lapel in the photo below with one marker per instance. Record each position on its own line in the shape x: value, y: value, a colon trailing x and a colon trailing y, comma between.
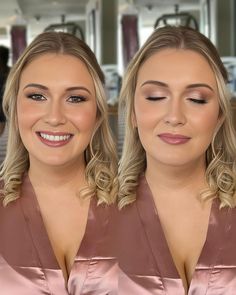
x: 95, y: 270
x: 36, y: 226
x: 155, y: 236
x: 47, y: 263
x: 206, y: 271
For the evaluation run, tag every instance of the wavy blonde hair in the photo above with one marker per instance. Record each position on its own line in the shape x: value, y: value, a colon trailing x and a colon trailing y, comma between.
x: 100, y: 155
x: 220, y: 155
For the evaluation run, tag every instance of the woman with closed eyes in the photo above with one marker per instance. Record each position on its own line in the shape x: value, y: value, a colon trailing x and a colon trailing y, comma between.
x: 177, y: 173
x: 59, y: 175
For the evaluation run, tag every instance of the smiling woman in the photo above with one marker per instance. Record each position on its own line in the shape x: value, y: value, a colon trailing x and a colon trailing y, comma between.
x: 60, y: 165
x: 60, y: 115
x: 177, y: 189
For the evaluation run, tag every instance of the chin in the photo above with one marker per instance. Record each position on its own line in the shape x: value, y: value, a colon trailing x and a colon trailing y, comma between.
x: 175, y: 161
x: 180, y: 162
x: 55, y: 161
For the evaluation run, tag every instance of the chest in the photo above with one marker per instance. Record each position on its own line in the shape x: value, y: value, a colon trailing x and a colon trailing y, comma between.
x: 65, y: 225
x: 185, y: 233
x: 29, y: 263
x: 160, y: 271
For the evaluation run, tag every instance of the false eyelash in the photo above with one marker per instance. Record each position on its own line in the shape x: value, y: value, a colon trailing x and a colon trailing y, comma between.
x: 36, y: 96
x: 199, y: 101
x: 155, y: 98
x: 78, y: 98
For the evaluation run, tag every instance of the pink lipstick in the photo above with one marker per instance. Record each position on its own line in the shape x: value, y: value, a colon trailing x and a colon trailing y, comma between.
x: 174, y: 139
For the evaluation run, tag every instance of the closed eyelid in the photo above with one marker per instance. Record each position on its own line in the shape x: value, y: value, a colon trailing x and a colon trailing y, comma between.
x: 199, y: 95
x: 154, y: 92
x: 150, y: 91
x: 155, y: 98
x: 203, y: 93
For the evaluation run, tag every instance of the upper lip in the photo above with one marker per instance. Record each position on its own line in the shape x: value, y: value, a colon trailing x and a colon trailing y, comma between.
x: 173, y: 135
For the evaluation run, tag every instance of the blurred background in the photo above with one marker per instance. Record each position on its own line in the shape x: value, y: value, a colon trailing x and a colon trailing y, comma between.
x: 115, y: 29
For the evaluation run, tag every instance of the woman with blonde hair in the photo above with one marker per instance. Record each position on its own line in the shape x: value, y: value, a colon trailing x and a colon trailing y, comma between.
x: 177, y: 171
x: 60, y: 165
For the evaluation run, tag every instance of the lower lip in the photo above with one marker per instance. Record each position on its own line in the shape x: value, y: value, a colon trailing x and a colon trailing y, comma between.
x: 54, y: 143
x: 174, y: 140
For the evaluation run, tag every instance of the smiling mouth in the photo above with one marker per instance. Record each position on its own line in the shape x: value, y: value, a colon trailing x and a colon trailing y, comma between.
x: 56, y: 140
x: 51, y: 137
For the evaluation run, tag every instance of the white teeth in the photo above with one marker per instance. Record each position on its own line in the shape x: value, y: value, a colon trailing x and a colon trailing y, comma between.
x: 54, y: 137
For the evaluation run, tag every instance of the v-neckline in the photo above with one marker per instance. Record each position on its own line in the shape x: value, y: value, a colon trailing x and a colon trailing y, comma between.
x: 42, y: 243
x: 159, y: 247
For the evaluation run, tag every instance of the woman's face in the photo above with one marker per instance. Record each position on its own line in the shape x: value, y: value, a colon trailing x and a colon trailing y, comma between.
x: 176, y: 108
x: 56, y: 109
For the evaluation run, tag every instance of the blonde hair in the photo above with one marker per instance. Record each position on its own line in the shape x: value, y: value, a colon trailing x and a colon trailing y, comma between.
x: 220, y: 155
x: 100, y: 155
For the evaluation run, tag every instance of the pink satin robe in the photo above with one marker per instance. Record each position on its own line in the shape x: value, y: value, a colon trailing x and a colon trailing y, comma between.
x: 133, y: 236
x: 28, y: 265
x: 146, y: 265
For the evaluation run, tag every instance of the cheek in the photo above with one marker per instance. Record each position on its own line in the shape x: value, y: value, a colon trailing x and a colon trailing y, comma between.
x: 140, y: 119
x: 146, y: 121
x: 211, y: 118
x: 33, y: 114
x: 147, y: 118
x: 84, y: 118
x: 147, y: 114
x: 207, y: 124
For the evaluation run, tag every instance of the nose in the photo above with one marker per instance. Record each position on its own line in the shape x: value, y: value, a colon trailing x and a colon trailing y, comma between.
x: 175, y: 113
x: 55, y: 114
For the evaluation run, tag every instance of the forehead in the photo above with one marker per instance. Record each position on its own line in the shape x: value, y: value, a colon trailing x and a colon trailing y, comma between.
x: 57, y: 67
x: 60, y: 58
x: 177, y: 65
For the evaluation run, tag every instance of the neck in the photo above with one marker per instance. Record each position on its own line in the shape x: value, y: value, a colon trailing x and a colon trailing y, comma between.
x: 190, y: 177
x: 69, y: 176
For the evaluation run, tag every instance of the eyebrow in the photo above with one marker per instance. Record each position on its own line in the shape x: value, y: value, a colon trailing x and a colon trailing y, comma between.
x: 162, y: 84
x: 40, y: 86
